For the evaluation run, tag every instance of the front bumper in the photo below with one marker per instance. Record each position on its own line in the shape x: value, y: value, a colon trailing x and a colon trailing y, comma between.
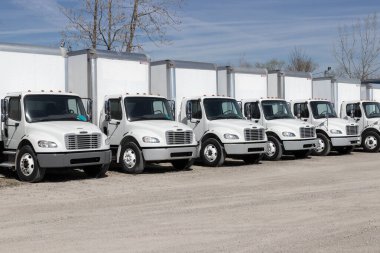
x: 246, y: 148
x: 74, y: 159
x: 170, y: 153
x: 346, y: 141
x: 300, y: 144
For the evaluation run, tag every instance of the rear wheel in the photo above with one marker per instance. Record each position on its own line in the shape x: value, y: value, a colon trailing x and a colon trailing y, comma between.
x: 131, y: 158
x: 253, y: 159
x: 302, y: 153
x: 275, y: 149
x: 212, y: 153
x: 182, y: 164
x: 27, y: 167
x: 345, y: 150
x: 371, y: 142
x: 97, y: 171
x: 324, y: 145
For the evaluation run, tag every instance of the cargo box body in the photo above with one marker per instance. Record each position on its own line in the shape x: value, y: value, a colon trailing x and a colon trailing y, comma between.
x: 370, y: 90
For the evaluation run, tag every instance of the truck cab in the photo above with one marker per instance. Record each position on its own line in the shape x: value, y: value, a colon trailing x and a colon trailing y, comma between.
x: 366, y: 113
x: 333, y: 133
x: 42, y: 130
x: 141, y: 129
x: 286, y: 135
x: 222, y: 130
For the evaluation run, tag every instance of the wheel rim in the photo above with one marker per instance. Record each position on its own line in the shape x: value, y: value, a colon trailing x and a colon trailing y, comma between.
x: 272, y: 148
x: 370, y: 142
x: 27, y: 164
x: 129, y: 158
x: 210, y: 153
x: 321, y: 145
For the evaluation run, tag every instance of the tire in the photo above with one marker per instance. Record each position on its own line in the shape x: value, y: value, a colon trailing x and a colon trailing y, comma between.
x: 253, y: 159
x: 324, y: 145
x: 97, y: 171
x: 131, y: 158
x: 182, y: 164
x: 212, y: 153
x: 27, y: 167
x: 371, y: 142
x: 302, y: 153
x: 275, y: 149
x: 345, y: 150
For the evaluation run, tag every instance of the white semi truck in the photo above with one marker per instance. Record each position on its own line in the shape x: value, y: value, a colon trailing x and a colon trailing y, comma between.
x: 216, y: 120
x: 286, y: 135
x: 366, y: 113
x: 333, y: 133
x: 140, y: 127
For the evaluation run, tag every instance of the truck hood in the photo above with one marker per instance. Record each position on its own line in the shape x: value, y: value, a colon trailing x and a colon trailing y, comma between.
x: 234, y: 124
x: 291, y: 124
x: 334, y: 123
x: 63, y: 127
x: 159, y: 125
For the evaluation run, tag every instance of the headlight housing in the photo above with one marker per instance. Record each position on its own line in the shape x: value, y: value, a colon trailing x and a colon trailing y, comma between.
x: 47, y: 144
x: 150, y: 139
x: 335, y: 131
x: 288, y: 134
x: 231, y: 136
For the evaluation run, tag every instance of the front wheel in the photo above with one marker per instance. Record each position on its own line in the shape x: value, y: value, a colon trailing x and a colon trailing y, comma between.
x: 275, y: 149
x: 324, y: 145
x: 371, y: 141
x: 182, y: 164
x: 27, y: 167
x: 253, y: 159
x: 131, y: 158
x: 96, y: 171
x: 212, y: 153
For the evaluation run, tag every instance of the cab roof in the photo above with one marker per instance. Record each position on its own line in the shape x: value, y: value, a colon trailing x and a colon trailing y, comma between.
x: 262, y: 99
x: 42, y: 92
x: 134, y: 95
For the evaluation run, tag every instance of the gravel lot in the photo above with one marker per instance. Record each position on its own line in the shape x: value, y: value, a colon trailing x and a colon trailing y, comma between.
x: 329, y: 204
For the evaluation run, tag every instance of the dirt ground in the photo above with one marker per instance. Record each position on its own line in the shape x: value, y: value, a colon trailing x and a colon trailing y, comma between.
x: 329, y: 204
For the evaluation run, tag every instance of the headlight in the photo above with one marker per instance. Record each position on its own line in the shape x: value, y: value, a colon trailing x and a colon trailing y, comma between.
x: 288, y: 134
x: 335, y: 131
x: 149, y: 139
x: 231, y: 136
x: 47, y: 144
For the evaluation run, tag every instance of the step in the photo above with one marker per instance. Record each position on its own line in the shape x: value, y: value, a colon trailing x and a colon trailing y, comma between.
x: 9, y: 152
x: 7, y: 165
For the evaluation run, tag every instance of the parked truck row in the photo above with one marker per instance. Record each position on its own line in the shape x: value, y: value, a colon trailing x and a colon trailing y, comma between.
x: 90, y: 108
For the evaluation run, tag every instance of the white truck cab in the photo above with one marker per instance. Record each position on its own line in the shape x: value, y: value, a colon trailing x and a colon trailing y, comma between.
x: 333, y: 133
x: 42, y: 130
x: 286, y: 135
x: 366, y: 113
x: 222, y: 130
x: 141, y: 129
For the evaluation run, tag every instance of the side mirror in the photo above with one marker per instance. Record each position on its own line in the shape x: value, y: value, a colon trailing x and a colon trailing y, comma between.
x: 4, y: 110
x: 189, y: 110
x: 172, y: 107
x: 249, y: 111
x: 107, y: 110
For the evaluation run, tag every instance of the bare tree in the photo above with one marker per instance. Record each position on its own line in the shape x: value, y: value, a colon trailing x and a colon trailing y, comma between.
x: 300, y: 61
x: 272, y: 64
x: 357, y: 50
x: 121, y: 25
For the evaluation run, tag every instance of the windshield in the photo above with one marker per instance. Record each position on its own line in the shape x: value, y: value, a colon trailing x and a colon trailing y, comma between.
x: 322, y: 109
x: 221, y: 108
x: 372, y: 109
x: 276, y: 109
x: 54, y: 108
x: 147, y: 108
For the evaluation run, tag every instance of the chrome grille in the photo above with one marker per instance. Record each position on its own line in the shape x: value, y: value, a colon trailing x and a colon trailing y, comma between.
x: 307, y: 132
x: 179, y: 137
x: 352, y: 130
x: 83, y: 141
x: 252, y: 134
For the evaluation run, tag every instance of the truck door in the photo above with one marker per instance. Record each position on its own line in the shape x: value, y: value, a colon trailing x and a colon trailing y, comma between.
x: 12, y: 130
x: 255, y: 112
x: 196, y: 122
x: 301, y: 111
x: 114, y: 130
x: 354, y: 114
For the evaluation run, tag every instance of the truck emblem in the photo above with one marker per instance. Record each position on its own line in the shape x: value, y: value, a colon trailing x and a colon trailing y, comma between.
x: 83, y: 132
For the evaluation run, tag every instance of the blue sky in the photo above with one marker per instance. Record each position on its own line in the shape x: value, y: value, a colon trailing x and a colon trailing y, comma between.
x: 219, y: 31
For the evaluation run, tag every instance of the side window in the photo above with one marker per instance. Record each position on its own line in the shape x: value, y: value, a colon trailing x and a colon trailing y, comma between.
x: 14, y: 109
x: 356, y: 110
x: 115, y: 109
x: 255, y: 110
x: 196, y: 109
x: 301, y: 110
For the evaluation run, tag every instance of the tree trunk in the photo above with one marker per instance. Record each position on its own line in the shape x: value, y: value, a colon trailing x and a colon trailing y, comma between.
x: 132, y: 27
x: 95, y: 27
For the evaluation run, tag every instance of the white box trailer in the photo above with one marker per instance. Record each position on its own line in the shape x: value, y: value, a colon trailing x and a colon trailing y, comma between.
x: 26, y: 67
x: 336, y: 90
x: 289, y: 85
x: 370, y: 89
x: 97, y: 73
x: 178, y: 79
x: 242, y: 83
